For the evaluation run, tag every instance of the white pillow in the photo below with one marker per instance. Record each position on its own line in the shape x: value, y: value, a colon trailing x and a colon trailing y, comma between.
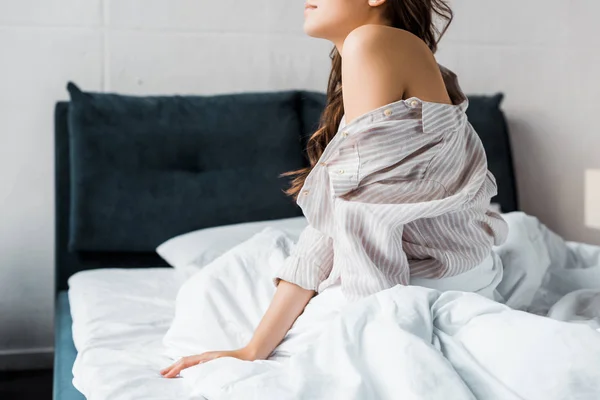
x: 191, y: 251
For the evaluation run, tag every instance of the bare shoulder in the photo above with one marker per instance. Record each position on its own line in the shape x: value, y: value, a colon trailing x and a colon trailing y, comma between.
x: 378, y: 38
x: 381, y: 65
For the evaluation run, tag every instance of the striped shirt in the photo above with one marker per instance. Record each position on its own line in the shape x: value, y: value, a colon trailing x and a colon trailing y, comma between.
x: 402, y: 191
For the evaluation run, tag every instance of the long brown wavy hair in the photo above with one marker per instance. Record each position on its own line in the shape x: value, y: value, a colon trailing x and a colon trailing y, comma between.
x: 420, y: 17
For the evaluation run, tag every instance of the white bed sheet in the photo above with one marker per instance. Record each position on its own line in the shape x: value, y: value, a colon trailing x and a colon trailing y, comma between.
x: 120, y: 316
x: 119, y: 319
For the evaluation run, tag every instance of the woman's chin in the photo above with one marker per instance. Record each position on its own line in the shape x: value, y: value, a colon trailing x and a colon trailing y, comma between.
x: 308, y: 31
x: 312, y: 30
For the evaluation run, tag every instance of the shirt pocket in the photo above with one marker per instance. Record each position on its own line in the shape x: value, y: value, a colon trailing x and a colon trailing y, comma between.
x: 343, y: 170
x: 406, y: 161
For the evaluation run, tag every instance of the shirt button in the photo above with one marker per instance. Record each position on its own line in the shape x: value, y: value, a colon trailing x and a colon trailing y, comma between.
x: 344, y: 134
x: 414, y: 103
x: 388, y: 112
x: 305, y: 192
x: 341, y: 171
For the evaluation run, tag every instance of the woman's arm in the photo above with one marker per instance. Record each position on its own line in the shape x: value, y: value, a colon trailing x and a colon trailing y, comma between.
x: 297, y: 281
x: 287, y: 304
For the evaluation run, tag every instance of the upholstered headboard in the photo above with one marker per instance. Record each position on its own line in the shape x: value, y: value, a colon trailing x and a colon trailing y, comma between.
x: 132, y: 172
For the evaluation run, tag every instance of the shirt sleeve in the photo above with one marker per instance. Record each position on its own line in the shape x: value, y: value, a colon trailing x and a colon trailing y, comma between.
x: 311, y: 260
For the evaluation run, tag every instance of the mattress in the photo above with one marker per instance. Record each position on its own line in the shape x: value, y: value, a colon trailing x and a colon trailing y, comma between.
x: 119, y: 319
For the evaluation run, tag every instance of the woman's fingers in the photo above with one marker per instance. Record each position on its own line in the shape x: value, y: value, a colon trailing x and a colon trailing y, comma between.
x: 173, y: 370
x: 165, y: 370
x: 186, y: 362
x: 183, y: 363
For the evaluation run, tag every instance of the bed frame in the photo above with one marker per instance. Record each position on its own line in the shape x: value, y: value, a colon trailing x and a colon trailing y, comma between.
x: 67, y: 263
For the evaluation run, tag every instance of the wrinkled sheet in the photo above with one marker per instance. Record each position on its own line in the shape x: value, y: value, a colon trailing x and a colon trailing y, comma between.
x: 119, y: 319
x: 404, y: 340
x: 419, y: 344
x: 546, y: 275
x: 409, y: 341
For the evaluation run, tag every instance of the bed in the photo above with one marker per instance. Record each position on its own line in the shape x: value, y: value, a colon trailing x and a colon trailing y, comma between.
x: 132, y: 172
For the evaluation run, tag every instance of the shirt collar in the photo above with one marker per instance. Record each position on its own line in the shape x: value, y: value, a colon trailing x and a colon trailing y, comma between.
x: 432, y: 113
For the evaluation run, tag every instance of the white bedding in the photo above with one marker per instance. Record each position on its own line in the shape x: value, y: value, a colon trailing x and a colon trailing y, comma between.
x: 119, y: 319
x: 121, y: 316
x: 413, y: 343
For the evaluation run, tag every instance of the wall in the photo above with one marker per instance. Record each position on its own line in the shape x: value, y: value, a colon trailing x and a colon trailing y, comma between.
x: 543, y: 54
x: 133, y: 46
x: 537, y: 52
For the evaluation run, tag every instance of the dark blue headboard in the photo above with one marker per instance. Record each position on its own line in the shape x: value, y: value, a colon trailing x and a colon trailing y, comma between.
x: 132, y: 172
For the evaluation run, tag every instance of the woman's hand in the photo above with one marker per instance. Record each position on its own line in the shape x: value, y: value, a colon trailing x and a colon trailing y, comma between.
x: 187, y: 362
x: 287, y: 304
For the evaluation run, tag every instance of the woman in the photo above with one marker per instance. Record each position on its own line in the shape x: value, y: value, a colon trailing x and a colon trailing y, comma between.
x: 398, y: 190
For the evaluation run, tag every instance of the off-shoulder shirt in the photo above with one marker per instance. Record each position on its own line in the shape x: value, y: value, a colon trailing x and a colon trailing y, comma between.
x: 402, y: 191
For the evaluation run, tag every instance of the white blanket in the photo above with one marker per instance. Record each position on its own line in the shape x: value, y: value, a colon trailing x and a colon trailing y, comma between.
x: 405, y: 342
x: 413, y: 343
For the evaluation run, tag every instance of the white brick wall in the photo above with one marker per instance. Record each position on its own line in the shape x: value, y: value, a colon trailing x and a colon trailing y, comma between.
x: 539, y: 52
